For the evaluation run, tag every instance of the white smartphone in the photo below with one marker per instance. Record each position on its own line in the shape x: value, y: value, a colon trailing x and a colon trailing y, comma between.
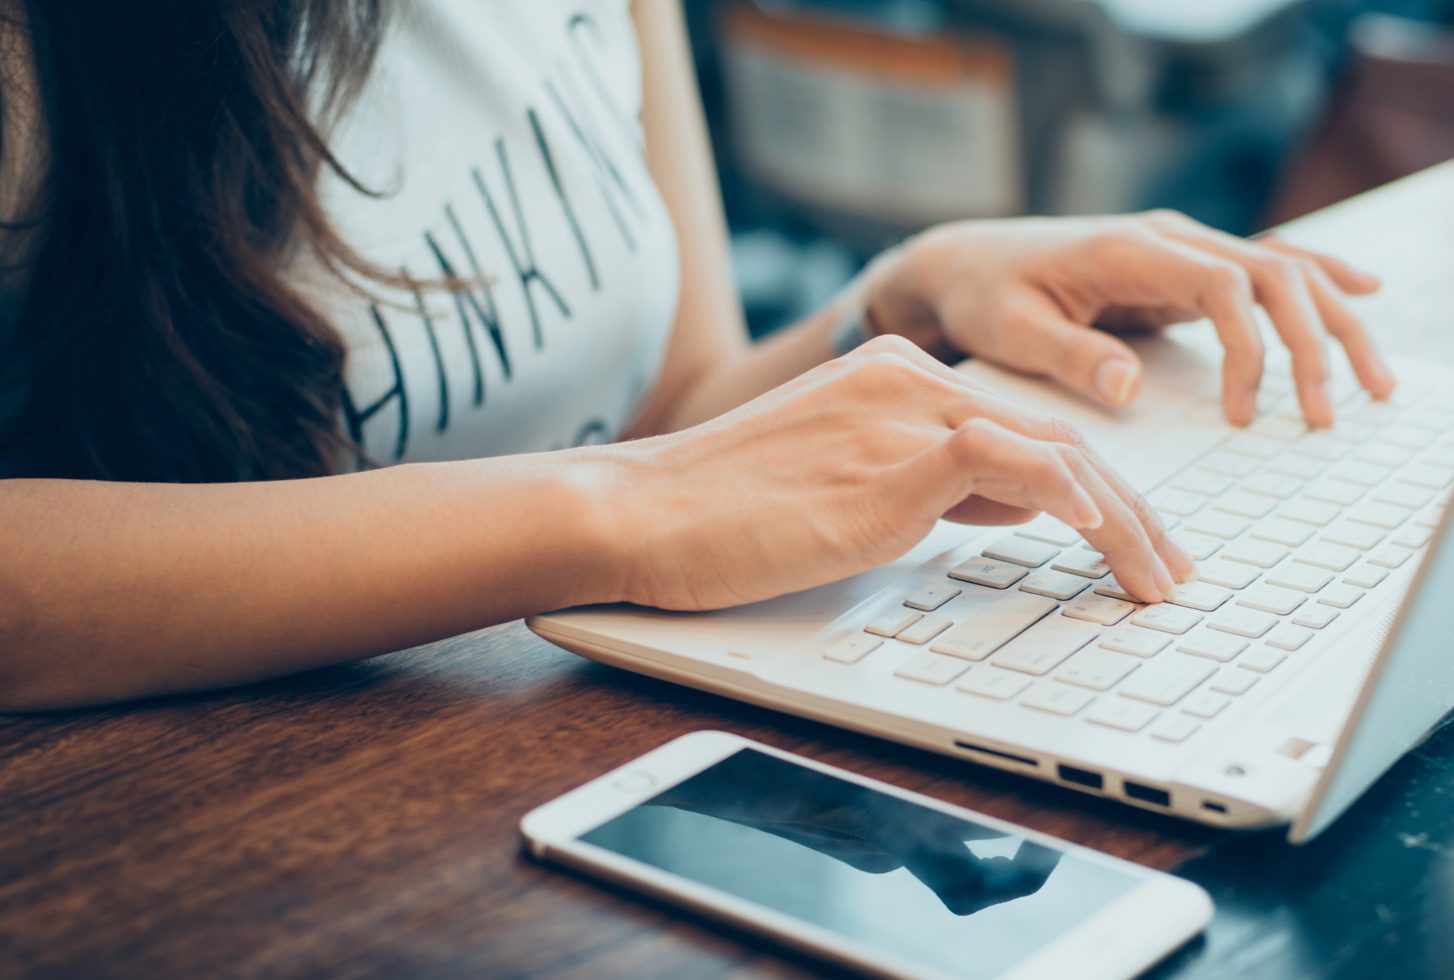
x: 867, y: 875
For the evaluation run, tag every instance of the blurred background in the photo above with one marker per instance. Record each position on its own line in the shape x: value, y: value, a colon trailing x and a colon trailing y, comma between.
x: 840, y: 126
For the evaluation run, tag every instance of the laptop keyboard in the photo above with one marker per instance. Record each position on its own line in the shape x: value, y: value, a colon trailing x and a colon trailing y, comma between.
x: 1290, y: 528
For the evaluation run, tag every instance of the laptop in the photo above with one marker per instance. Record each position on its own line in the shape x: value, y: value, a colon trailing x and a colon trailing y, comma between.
x: 1315, y: 650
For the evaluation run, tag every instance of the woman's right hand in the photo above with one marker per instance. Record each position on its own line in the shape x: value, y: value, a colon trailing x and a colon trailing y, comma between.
x: 848, y: 467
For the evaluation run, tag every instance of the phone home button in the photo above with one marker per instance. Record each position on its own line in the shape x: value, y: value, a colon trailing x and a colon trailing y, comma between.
x: 635, y: 781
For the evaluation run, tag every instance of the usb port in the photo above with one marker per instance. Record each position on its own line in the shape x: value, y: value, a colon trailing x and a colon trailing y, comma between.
x: 1147, y: 794
x: 1081, y: 777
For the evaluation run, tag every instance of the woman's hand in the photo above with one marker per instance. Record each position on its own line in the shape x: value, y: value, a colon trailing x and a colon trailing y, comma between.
x: 1026, y: 293
x: 849, y: 466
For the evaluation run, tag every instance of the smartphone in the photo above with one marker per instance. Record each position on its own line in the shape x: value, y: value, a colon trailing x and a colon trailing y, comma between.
x: 864, y: 874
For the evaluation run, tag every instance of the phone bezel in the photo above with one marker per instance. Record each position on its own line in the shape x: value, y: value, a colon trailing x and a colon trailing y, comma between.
x: 1112, y: 942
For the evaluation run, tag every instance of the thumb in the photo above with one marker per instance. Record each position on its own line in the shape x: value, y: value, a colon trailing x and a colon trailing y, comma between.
x: 1088, y: 361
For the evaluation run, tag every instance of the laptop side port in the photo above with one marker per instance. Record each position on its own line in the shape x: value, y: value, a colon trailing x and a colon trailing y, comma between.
x: 1147, y: 794
x: 1214, y: 806
x: 1023, y: 760
x: 1081, y: 777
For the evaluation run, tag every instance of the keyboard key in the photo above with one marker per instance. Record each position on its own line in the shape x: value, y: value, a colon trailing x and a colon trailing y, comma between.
x: 1204, y: 482
x: 852, y: 649
x: 1283, y: 427
x: 1199, y: 595
x: 1122, y: 713
x: 1049, y: 530
x: 1429, y: 477
x: 1278, y: 531
x: 994, y: 574
x: 1337, y: 492
x: 1098, y: 670
x: 1244, y: 504
x: 1205, y: 704
x: 1228, y: 464
x: 1179, y: 503
x: 1366, y: 576
x: 1242, y: 622
x: 932, y: 668
x: 1228, y: 574
x: 1412, y: 537
x: 1298, y: 467
x: 1270, y: 598
x: 1302, y: 578
x: 1262, y: 659
x: 1055, y: 585
x: 1315, y: 616
x: 1099, y: 609
x: 1272, y: 485
x: 1057, y: 699
x: 1403, y: 495
x: 1135, y: 640
x: 1089, y: 564
x: 1250, y: 444
x: 1233, y: 681
x: 931, y: 598
x: 924, y: 630
x: 1045, y: 646
x: 1021, y: 551
x: 1199, y: 546
x: 991, y: 682
x: 1313, y: 512
x: 1360, y: 536
x: 1217, y: 525
x: 1390, y: 556
x: 1385, y: 516
x: 1261, y: 554
x: 1429, y: 516
x: 1167, y: 618
x: 1363, y: 474
x: 1166, y: 680
x: 1324, y: 445
x: 1112, y: 588
x: 1212, y: 645
x: 1175, y: 728
x: 1382, y: 454
x: 892, y: 622
x: 993, y: 625
x: 1405, y: 436
x: 1321, y: 554
x: 1340, y: 595
x: 1289, y: 637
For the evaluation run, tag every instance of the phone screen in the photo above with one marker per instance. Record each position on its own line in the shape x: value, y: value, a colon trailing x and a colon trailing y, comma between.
x: 954, y: 895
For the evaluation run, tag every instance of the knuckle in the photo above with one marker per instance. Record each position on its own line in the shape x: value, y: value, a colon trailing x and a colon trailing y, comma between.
x: 1064, y: 432
x: 1165, y: 218
x: 1229, y: 279
x: 888, y: 343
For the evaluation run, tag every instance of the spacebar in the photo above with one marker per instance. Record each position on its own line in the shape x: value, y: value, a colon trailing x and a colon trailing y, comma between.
x: 1046, y: 645
x: 993, y: 625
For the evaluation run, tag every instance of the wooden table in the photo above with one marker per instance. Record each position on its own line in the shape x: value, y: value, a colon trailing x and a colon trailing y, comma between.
x: 362, y: 820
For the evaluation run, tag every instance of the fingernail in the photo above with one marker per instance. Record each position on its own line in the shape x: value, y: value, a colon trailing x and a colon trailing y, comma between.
x: 1088, y: 515
x: 1246, y: 407
x: 1115, y: 379
x: 1182, y: 560
x: 1192, y: 574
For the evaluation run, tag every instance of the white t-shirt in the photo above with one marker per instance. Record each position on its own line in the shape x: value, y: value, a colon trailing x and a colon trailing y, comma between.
x: 506, y: 138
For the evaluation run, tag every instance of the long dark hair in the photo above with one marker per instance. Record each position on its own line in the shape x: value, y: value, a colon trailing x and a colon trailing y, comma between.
x: 165, y: 338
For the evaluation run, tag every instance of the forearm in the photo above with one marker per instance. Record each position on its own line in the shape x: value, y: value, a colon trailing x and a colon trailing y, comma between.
x: 111, y: 591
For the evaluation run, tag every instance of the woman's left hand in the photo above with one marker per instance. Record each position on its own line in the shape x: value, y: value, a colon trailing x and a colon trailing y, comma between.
x: 1029, y: 294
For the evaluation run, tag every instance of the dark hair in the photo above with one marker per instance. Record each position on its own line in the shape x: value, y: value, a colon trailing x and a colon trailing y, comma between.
x: 185, y: 139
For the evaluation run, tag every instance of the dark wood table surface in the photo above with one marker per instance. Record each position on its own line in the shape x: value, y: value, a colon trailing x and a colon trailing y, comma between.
x: 361, y: 821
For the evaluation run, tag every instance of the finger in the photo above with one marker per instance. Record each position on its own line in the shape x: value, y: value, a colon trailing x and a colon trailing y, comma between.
x: 1136, y: 267
x: 1027, y: 472
x: 1344, y: 276
x: 1087, y: 361
x: 1347, y: 328
x: 1280, y: 284
x: 1173, y: 556
x: 981, y: 458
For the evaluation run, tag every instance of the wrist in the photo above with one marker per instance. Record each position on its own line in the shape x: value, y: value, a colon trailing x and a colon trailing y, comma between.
x: 896, y: 301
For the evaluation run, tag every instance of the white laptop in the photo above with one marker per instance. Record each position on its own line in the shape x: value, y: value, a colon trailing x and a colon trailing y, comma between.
x: 1317, y: 648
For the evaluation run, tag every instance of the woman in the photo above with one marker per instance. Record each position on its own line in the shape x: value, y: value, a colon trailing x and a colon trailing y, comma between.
x: 265, y: 239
